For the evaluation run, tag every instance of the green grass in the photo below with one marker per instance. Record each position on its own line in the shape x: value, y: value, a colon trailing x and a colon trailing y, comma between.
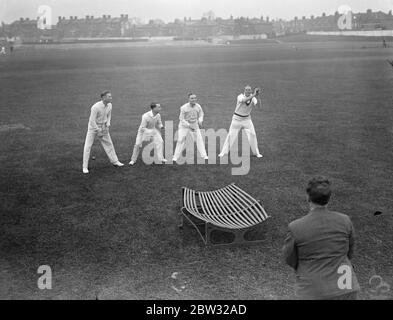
x: 113, y: 234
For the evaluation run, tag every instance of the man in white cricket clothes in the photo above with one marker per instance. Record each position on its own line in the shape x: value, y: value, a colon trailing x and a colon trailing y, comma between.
x: 191, y: 119
x: 242, y: 120
x: 99, y: 123
x: 149, y: 130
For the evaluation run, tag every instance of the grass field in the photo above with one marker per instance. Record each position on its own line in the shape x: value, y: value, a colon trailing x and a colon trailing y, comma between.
x: 113, y: 233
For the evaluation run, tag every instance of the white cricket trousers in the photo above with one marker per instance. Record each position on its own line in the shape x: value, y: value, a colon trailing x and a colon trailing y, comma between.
x: 234, y: 129
x: 107, y: 144
x: 148, y: 135
x: 181, y: 141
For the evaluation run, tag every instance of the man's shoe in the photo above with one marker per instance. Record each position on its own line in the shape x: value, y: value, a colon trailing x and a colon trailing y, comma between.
x: 163, y: 160
x: 221, y: 155
x: 132, y: 163
x: 174, y: 159
x: 206, y: 158
x: 118, y: 164
x: 259, y: 155
x: 85, y: 170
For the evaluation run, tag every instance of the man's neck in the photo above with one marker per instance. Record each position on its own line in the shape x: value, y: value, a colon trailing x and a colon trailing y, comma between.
x: 314, y: 206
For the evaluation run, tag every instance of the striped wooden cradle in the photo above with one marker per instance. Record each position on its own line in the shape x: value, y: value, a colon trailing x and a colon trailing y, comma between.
x: 229, y: 209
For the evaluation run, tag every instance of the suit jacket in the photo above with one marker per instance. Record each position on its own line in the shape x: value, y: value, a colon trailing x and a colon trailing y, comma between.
x: 316, y: 246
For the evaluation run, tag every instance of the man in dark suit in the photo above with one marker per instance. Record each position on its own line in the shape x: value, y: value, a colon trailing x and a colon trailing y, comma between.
x: 319, y: 247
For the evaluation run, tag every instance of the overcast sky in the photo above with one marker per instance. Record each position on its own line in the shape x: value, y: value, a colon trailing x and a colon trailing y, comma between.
x: 168, y: 10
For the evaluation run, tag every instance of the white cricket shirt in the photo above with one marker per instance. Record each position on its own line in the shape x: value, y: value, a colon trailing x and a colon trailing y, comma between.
x: 242, y: 108
x: 100, y: 115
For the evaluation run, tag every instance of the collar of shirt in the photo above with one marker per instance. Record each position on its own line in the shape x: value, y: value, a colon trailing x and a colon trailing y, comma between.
x: 103, y: 104
x: 244, y: 96
x: 192, y: 107
x: 319, y: 209
x: 151, y: 114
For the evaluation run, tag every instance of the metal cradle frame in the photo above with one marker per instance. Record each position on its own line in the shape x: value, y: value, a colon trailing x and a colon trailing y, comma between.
x: 229, y: 209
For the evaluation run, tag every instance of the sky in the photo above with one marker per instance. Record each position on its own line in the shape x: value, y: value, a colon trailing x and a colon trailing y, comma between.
x: 168, y: 10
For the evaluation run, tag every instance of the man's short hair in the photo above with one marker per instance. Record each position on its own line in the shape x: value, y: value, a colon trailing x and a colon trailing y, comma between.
x: 247, y: 86
x: 153, y: 105
x: 191, y: 94
x: 318, y: 190
x: 104, y: 93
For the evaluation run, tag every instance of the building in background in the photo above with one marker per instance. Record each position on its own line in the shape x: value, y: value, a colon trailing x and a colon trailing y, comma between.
x: 209, y: 27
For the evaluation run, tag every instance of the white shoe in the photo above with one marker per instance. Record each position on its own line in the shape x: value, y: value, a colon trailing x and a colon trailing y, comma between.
x: 174, y: 159
x: 163, y: 160
x: 118, y: 164
x: 221, y: 155
x: 259, y: 155
x: 132, y: 163
x: 206, y: 158
x: 85, y: 170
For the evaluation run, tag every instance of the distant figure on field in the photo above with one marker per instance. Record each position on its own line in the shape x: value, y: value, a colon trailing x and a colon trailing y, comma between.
x: 319, y: 247
x: 99, y: 123
x: 2, y: 51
